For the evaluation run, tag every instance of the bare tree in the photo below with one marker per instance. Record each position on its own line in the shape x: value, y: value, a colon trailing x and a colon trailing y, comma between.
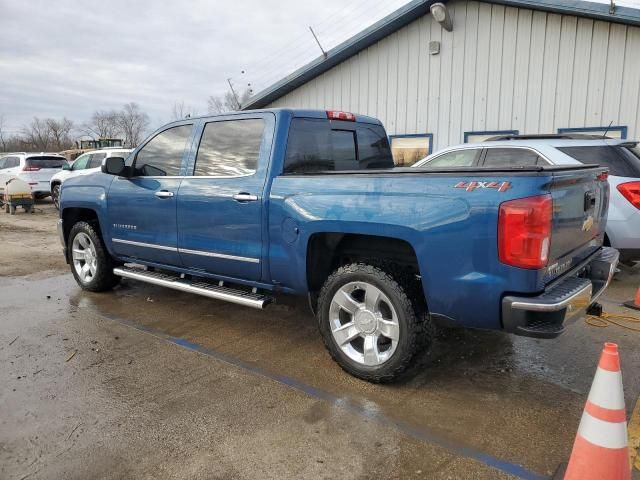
x: 37, y: 134
x: 227, y: 102
x: 133, y: 123
x: 103, y: 124
x: 59, y: 132
x: 180, y: 111
x: 3, y: 140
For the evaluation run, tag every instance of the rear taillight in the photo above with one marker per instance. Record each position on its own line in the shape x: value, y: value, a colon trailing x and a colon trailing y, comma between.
x: 524, y: 231
x: 336, y: 115
x: 631, y: 191
x: 30, y: 169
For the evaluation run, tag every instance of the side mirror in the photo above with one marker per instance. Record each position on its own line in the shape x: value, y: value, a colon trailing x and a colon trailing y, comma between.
x: 113, y: 166
x: 66, y: 166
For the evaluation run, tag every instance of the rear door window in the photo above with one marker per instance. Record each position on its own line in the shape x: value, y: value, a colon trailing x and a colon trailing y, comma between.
x: 44, y: 162
x: 318, y: 145
x: 456, y: 158
x: 510, y: 157
x: 229, y: 148
x: 622, y: 161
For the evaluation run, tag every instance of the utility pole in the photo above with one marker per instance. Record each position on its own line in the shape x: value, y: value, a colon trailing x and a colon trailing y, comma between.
x: 324, y: 54
x: 234, y: 93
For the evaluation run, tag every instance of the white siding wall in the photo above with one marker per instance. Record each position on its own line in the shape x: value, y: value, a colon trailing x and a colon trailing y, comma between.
x: 502, y: 68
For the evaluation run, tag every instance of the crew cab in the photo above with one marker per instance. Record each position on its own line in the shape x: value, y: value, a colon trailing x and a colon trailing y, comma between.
x: 243, y: 206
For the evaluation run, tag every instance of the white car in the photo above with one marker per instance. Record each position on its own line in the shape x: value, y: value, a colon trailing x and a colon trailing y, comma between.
x: 620, y: 156
x: 36, y: 169
x: 85, y: 164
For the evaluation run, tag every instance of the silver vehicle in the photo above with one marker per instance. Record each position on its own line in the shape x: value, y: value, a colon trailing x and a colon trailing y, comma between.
x: 620, y: 156
x: 36, y: 169
x: 85, y: 164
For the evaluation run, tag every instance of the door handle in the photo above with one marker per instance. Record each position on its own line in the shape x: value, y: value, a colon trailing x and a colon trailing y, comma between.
x: 245, y: 197
x: 164, y: 194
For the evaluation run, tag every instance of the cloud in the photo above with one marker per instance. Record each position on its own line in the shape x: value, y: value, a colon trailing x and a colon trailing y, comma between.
x: 70, y: 58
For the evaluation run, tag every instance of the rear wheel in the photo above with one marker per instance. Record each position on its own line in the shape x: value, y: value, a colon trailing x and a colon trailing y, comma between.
x: 369, y: 324
x: 91, y: 264
x: 55, y: 195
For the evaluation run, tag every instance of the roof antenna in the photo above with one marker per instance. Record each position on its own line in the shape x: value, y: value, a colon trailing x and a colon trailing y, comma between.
x: 612, y: 7
x: 324, y: 54
x: 604, y: 135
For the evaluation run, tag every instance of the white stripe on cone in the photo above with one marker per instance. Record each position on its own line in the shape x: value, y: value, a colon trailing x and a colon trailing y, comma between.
x: 606, y: 390
x: 601, y: 433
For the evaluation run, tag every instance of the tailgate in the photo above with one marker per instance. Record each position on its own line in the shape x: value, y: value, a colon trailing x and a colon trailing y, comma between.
x: 580, y: 202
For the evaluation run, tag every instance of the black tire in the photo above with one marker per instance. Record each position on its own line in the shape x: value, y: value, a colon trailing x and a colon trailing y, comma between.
x: 103, y: 279
x: 6, y: 208
x: 415, y: 326
x: 55, y: 195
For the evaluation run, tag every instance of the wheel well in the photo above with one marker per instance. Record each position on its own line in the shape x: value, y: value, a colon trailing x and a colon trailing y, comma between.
x: 607, y: 242
x: 71, y: 216
x: 328, y: 251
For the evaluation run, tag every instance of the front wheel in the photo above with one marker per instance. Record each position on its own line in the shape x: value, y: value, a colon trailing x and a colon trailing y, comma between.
x: 55, y: 195
x: 91, y: 264
x: 369, y: 324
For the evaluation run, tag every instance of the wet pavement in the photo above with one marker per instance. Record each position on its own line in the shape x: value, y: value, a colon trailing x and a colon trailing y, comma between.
x: 146, y: 382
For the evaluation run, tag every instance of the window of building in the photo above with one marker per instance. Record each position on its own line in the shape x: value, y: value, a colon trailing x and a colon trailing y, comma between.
x: 481, y: 136
x: 408, y: 149
x: 319, y: 145
x: 617, y: 131
x: 229, y: 148
x: 162, y: 155
x: 507, y: 157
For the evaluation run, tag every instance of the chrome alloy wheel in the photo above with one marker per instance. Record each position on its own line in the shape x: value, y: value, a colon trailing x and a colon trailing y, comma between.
x: 85, y: 260
x: 364, y: 323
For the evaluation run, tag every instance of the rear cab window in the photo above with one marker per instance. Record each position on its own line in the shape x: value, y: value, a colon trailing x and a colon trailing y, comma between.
x: 317, y: 145
x: 621, y: 160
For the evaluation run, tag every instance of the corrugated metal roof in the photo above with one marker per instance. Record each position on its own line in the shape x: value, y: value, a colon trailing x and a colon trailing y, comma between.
x: 410, y: 12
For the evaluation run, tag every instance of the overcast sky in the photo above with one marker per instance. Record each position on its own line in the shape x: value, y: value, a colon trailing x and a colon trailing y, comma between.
x: 70, y: 58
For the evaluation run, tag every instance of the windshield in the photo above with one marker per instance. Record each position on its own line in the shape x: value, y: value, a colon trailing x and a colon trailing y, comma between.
x: 45, y: 162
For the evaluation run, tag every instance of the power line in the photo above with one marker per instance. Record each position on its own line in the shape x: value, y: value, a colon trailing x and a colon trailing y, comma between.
x: 334, y: 33
x: 290, y: 64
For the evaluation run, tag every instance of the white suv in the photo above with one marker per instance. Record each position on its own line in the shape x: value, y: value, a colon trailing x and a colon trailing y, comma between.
x: 34, y: 168
x: 621, y: 157
x: 85, y: 164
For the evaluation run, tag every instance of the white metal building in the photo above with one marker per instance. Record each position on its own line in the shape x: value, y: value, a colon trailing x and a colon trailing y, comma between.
x: 515, y: 66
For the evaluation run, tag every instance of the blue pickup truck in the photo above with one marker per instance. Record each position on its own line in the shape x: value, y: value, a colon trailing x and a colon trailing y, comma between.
x: 243, y: 206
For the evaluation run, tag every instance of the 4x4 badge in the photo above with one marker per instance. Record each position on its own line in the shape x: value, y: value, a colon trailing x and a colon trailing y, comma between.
x: 471, y: 186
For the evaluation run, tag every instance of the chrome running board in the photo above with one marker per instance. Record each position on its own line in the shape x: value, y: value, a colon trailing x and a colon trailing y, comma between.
x: 199, y: 287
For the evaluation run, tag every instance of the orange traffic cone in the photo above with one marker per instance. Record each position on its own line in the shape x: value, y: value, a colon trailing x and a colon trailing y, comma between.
x: 600, y: 451
x: 635, y: 303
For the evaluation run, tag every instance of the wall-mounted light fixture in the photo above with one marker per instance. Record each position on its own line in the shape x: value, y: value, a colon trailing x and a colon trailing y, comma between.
x: 441, y: 15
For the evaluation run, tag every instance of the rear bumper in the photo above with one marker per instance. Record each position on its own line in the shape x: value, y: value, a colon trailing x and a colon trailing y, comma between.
x: 564, y: 301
